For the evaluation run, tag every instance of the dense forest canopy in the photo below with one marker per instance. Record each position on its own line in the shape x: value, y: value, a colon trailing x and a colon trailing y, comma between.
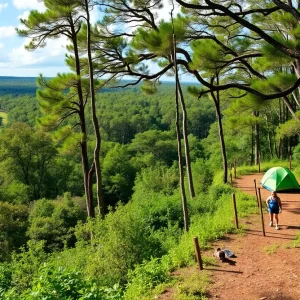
x: 103, y: 180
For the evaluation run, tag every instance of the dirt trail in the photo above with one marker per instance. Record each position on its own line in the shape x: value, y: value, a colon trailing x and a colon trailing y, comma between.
x: 265, y: 267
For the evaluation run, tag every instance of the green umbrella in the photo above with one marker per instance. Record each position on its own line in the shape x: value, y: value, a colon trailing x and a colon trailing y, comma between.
x: 279, y: 179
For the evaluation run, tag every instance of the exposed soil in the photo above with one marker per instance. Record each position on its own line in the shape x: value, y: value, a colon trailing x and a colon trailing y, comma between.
x: 265, y: 267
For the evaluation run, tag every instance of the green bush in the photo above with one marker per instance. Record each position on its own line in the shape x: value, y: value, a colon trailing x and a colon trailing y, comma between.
x: 54, y: 222
x: 157, y: 179
x: 202, y: 176
x: 120, y: 241
x: 25, y: 265
x: 58, y: 283
x: 5, y: 278
x: 13, y: 225
x: 145, y: 277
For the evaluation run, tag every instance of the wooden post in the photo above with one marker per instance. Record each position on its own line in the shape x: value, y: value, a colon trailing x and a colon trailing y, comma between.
x: 197, y: 252
x: 235, y: 212
x: 256, y: 192
x: 261, y: 213
x: 235, y: 168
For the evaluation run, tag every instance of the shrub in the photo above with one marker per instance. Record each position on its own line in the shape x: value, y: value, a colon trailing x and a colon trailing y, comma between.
x: 145, y: 277
x: 125, y: 240
x: 5, y: 278
x: 157, y: 179
x: 13, y: 225
x: 58, y: 283
x: 25, y: 265
x: 54, y: 222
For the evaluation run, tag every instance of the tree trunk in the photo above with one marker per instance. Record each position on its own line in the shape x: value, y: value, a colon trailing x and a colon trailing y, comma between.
x: 216, y: 99
x: 256, y: 139
x: 252, y: 145
x: 83, y: 143
x: 269, y: 136
x: 186, y: 142
x: 94, y: 117
x: 181, y: 174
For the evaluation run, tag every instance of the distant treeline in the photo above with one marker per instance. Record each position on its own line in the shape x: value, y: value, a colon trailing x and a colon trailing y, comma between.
x: 10, y: 85
x: 17, y: 85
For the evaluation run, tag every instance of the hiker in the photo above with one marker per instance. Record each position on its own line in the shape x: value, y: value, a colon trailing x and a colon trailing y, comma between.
x: 274, y: 207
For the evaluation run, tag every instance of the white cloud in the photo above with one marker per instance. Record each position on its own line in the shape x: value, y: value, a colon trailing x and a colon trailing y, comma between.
x: 165, y: 12
x: 2, y: 6
x: 20, y: 57
x: 51, y: 55
x: 7, y: 31
x: 25, y: 15
x: 28, y: 4
x: 57, y: 47
x: 1, y: 45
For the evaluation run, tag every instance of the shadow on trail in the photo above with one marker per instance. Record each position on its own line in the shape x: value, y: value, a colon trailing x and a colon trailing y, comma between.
x: 292, y: 227
x: 259, y: 232
x: 276, y: 234
x: 293, y: 211
x: 226, y: 271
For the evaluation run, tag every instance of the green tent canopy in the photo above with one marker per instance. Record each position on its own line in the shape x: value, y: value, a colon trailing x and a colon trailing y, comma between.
x: 279, y: 179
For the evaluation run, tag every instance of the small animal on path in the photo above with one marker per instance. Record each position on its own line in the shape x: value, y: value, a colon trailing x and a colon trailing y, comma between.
x: 220, y: 254
x: 223, y: 254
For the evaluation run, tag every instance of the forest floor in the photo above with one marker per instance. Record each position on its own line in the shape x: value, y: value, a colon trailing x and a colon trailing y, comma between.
x: 265, y: 267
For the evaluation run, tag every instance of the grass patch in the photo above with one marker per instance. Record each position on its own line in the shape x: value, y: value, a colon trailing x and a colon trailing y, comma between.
x: 3, y: 115
x: 295, y: 243
x: 246, y: 170
x: 271, y: 249
x: 193, y: 285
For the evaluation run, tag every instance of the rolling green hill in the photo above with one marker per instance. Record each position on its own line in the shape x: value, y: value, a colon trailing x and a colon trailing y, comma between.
x: 17, y: 85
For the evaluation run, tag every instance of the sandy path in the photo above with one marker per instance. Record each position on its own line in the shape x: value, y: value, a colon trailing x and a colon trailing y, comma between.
x: 265, y: 267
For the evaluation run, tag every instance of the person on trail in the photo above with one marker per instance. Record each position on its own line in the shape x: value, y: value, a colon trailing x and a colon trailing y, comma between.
x: 274, y: 208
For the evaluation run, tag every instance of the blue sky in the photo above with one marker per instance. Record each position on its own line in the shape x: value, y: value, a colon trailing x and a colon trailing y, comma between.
x: 15, y: 60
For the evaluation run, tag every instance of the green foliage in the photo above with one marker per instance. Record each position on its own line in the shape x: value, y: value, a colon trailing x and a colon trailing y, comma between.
x: 272, y: 249
x: 149, y: 87
x: 207, y: 56
x: 202, y: 176
x: 17, y: 86
x: 193, y: 286
x: 54, y: 222
x: 278, y: 80
x: 25, y: 266
x: 161, y: 144
x: 54, y: 283
x: 28, y: 155
x: 296, y: 242
x: 3, y: 118
x: 58, y: 283
x: 159, y: 41
x: 296, y: 153
x: 290, y: 128
x: 118, y: 175
x: 5, y: 278
x: 121, y: 241
x: 145, y: 277
x: 158, y: 179
x: 13, y: 226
